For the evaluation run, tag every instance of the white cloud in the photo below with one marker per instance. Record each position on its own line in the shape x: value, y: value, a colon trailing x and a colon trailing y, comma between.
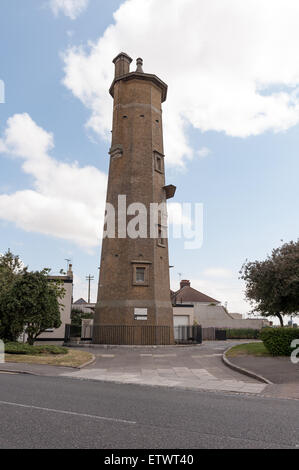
x: 203, y: 152
x: 220, y: 58
x: 67, y: 201
x: 70, y: 8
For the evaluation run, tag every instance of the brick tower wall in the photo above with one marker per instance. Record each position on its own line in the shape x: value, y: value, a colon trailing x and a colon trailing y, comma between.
x: 137, y: 142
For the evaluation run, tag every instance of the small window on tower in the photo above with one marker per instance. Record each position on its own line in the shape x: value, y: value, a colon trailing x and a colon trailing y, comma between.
x: 140, y: 275
x: 159, y: 162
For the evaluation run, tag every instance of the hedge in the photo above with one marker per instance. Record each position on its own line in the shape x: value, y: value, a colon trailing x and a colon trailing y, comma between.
x: 24, y: 348
x: 278, y: 340
x: 242, y: 333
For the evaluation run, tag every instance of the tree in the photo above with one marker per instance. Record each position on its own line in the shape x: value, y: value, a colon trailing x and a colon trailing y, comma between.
x: 272, y: 285
x: 77, y: 316
x: 34, y: 300
x: 11, y: 268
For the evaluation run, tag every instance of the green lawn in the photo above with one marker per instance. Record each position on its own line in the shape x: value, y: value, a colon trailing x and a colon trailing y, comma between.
x: 73, y: 358
x: 45, y: 354
x: 249, y: 349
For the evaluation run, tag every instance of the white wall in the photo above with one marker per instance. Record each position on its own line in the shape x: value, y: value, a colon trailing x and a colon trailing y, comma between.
x: 216, y: 316
x: 65, y: 314
x: 183, y: 311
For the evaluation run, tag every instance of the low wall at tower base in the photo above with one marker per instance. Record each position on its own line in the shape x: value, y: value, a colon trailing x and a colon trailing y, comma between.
x: 138, y: 335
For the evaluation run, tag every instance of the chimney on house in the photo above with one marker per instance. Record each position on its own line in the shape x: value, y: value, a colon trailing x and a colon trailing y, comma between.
x: 185, y: 283
x: 70, y: 271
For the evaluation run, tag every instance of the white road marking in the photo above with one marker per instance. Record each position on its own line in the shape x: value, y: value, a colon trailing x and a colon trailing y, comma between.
x: 205, y: 355
x: 164, y: 355
x: 157, y: 355
x: 82, y: 415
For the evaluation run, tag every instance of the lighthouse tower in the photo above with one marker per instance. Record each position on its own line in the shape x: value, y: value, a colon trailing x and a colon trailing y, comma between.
x: 134, y: 304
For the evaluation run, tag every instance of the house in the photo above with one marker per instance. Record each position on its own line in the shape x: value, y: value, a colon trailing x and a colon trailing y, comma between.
x: 83, y: 306
x: 191, y: 306
x: 57, y: 334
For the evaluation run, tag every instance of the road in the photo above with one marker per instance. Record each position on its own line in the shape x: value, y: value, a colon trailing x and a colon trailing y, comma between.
x: 194, y: 367
x: 57, y: 412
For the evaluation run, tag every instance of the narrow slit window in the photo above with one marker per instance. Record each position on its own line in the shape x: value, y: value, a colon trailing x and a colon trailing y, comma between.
x: 161, y: 235
x: 159, y: 163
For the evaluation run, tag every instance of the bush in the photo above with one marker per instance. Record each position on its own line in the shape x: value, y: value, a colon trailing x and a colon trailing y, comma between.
x: 278, y: 340
x: 20, y: 348
x: 242, y: 333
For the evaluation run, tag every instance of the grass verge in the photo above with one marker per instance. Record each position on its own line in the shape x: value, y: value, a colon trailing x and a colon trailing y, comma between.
x: 27, y: 349
x: 72, y: 358
x: 248, y: 349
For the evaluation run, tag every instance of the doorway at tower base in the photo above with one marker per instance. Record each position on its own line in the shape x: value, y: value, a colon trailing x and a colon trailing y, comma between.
x: 138, y: 335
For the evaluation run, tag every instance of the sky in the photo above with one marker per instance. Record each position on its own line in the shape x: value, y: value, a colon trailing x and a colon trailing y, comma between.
x: 231, y: 124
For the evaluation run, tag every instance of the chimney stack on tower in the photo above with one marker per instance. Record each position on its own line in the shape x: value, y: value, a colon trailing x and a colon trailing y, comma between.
x: 122, y: 64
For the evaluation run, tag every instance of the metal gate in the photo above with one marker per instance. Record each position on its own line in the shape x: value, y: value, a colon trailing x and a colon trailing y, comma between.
x: 147, y: 335
x: 188, y: 334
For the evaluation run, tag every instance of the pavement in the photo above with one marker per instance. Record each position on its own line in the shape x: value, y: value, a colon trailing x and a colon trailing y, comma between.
x: 64, y: 413
x: 283, y: 374
x: 194, y: 367
x: 279, y: 370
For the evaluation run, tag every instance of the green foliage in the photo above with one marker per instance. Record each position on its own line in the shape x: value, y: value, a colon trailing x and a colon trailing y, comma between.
x: 29, y: 301
x: 248, y: 349
x: 272, y: 286
x: 11, y: 269
x: 35, y: 299
x: 75, y: 331
x: 77, y: 316
x: 27, y: 349
x: 242, y: 333
x: 278, y: 340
